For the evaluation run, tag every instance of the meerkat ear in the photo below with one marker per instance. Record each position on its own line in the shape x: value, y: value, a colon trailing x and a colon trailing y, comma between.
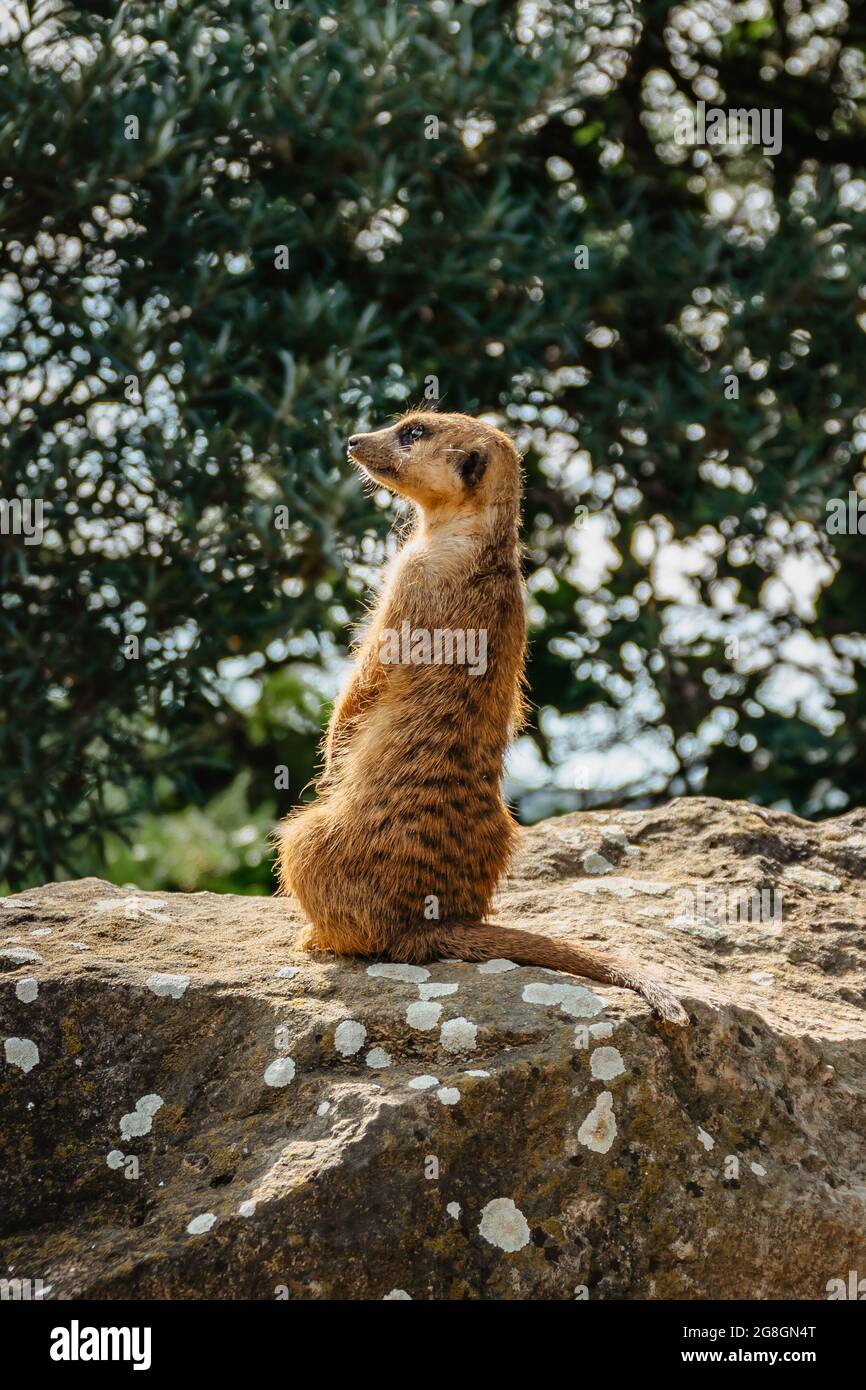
x: 473, y: 466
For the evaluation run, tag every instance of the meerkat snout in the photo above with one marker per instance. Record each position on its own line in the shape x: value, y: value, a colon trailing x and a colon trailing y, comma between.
x: 380, y: 463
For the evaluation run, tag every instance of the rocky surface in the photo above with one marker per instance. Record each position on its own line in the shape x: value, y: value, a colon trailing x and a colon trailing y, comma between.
x: 189, y: 1108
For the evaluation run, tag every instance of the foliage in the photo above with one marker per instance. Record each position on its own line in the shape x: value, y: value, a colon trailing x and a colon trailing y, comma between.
x: 166, y: 387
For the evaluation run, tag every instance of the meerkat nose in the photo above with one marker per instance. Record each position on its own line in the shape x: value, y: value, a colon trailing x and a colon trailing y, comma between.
x: 354, y: 441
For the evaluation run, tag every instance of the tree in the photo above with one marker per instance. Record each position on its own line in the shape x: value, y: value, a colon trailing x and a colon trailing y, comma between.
x: 233, y: 232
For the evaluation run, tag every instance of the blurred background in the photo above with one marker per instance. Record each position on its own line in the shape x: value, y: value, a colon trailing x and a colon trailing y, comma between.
x: 231, y: 233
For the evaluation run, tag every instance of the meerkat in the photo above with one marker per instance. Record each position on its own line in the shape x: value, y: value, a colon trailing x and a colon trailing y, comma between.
x: 401, y: 852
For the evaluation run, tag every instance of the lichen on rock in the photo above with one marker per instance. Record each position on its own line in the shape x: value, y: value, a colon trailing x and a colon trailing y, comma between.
x: 195, y: 1108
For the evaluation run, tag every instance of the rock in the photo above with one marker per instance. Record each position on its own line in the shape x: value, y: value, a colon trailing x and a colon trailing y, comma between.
x: 594, y: 863
x: 813, y: 878
x: 192, y: 1108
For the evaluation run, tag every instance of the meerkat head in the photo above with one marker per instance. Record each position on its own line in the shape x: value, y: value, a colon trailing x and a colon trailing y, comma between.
x: 441, y: 461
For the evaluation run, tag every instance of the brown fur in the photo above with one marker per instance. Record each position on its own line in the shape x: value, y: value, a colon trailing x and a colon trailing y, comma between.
x: 410, y: 817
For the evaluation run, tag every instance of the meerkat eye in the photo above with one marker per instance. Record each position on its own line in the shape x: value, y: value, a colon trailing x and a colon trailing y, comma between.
x: 409, y: 434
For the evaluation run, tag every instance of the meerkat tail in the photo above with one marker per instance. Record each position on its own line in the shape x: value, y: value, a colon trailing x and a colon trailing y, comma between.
x: 489, y: 942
